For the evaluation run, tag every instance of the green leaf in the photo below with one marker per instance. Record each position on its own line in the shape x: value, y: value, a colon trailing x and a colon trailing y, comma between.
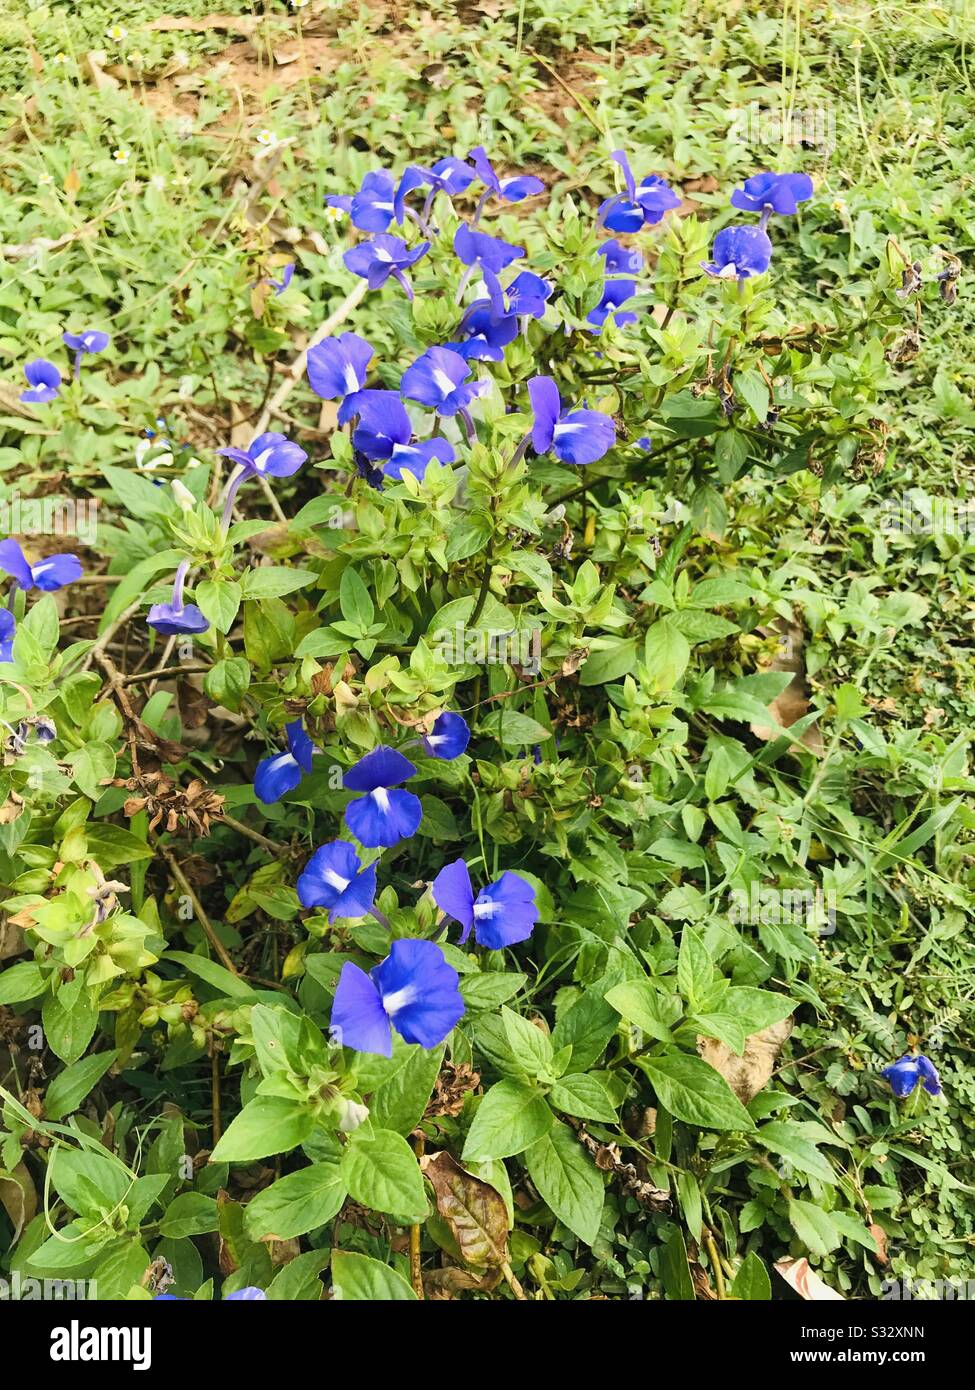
x: 68, y: 1031
x: 695, y: 970
x: 675, y: 1272
x: 813, y: 1227
x: 757, y: 1009
x: 510, y: 1117
x: 489, y: 989
x: 266, y: 1125
x: 784, y: 1137
x: 189, y: 1214
x: 360, y: 1278
x: 514, y: 730
x: 21, y: 982
x: 640, y: 1002
x: 355, y: 600
x: 530, y: 1047
x: 694, y: 1092
x: 298, y: 1281
x: 689, y: 1192
x: 583, y: 1096
x: 381, y: 1172
x: 752, y: 1281
x: 399, y: 1101
x: 219, y: 601
x: 213, y: 973
x: 272, y: 581
x: 666, y: 654
x: 296, y: 1204
x: 567, y: 1181
x: 619, y: 659
x: 69, y: 1087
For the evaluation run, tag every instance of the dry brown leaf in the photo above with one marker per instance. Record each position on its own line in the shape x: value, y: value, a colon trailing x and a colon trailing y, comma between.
x: 11, y: 940
x: 749, y: 1073
x: 880, y: 1240
x: 231, y: 23
x: 18, y: 1198
x: 806, y: 1282
x: 473, y: 1209
x: 94, y: 64
x: 793, y: 703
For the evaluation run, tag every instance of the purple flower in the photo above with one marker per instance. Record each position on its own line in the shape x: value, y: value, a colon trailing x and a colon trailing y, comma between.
x: 486, y: 336
x: 384, y: 433
x: 615, y: 292
x: 501, y: 915
x: 413, y: 990
x: 176, y: 616
x: 574, y: 436
x: 739, y: 252
x: 338, y: 367
x: 488, y: 252
x: 8, y: 629
x: 439, y: 379
x: 448, y: 738
x: 49, y: 574
x: 380, y: 257
x: 620, y: 259
x: 271, y: 454
x: 282, y: 772
x: 81, y: 344
x: 382, y: 816
x: 372, y: 208
x: 512, y: 190
x: 279, y: 286
x: 44, y: 381
x: 250, y: 1294
x: 527, y: 294
x: 637, y: 207
x: 904, y: 1074
x: 333, y: 878
x: 768, y: 192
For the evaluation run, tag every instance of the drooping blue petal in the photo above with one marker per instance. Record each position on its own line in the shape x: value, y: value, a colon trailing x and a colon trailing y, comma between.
x: 300, y: 745
x: 527, y: 295
x: 287, y: 275
x: 619, y: 214
x: 338, y: 366
x: 583, y: 436
x: 8, y: 628
x: 478, y: 248
x: 505, y: 912
x: 271, y: 454
x: 520, y: 186
x: 44, y: 381
x: 383, y: 767
x: 781, y: 193
x: 383, y: 423
x: 903, y: 1076
x: 448, y: 738
x: 250, y: 1294
x: 619, y: 157
x: 413, y: 177
x: 14, y: 562
x: 414, y: 458
x: 91, y: 340
x: 384, y: 817
x: 373, y: 207
x: 275, y: 776
x: 453, y: 174
x: 656, y: 197
x: 615, y: 292
x: 358, y: 1019
x: 454, y: 894
x: 170, y: 619
x: 55, y: 571
x: 620, y: 259
x: 485, y: 169
x: 376, y: 259
x: 437, y: 379
x: 419, y: 991
x: 927, y: 1071
x: 546, y: 404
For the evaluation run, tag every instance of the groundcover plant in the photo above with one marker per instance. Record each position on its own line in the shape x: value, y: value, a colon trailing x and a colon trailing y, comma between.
x: 486, y: 657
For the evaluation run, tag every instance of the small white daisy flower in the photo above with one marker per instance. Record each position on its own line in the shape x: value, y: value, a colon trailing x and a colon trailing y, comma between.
x: 60, y: 60
x: 158, y: 182
x: 117, y: 32
x: 266, y: 137
x: 121, y: 156
x: 334, y: 214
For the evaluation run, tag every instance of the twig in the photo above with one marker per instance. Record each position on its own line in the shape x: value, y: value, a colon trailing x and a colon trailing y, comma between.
x: 416, y: 1268
x: 215, y: 1092
x: 198, y: 909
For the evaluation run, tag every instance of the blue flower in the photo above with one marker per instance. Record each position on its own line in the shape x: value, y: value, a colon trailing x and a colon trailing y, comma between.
x: 620, y: 259
x: 381, y: 817
x: 372, y: 208
x: 739, y: 252
x: 384, y: 433
x: 380, y: 257
x: 488, y: 252
x: 170, y: 618
x: 272, y: 455
x: 44, y: 381
x: 615, y: 292
x: 439, y: 379
x: 907, y: 1071
x: 250, y: 1294
x: 8, y: 629
x: 512, y: 190
x: 49, y: 574
x: 90, y: 341
x: 638, y: 207
x: 574, y: 436
x: 527, y: 294
x: 279, y: 286
x: 282, y: 772
x: 486, y: 336
x: 768, y: 192
x: 338, y: 367
x: 453, y: 174
x: 448, y: 738
x: 414, y: 990
x: 501, y: 915
x: 333, y: 878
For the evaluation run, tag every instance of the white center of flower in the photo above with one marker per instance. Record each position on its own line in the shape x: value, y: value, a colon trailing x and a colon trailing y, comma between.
x: 485, y: 909
x: 41, y: 567
x: 728, y: 272
x: 381, y: 798
x: 442, y: 382
x: 336, y: 880
x: 260, y: 463
x: 562, y: 430
x: 434, y: 739
x: 399, y: 999
x: 382, y: 254
x: 351, y: 380
x: 282, y: 759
